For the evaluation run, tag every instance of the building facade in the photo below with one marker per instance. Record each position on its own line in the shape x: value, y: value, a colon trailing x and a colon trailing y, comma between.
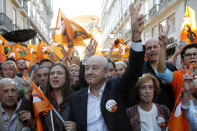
x: 40, y: 17
x: 165, y: 12
x: 115, y: 21
x: 25, y: 14
x: 13, y: 15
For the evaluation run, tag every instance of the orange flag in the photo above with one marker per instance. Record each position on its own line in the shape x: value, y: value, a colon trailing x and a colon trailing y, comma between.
x: 2, y: 54
x: 42, y: 51
x: 189, y: 29
x: 13, y: 53
x: 68, y: 32
x: 3, y: 40
x: 56, y: 49
x: 19, y: 48
x: 40, y: 104
x: 89, y: 21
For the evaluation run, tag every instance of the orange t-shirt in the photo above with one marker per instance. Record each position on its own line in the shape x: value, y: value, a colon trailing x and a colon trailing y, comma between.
x: 177, y: 83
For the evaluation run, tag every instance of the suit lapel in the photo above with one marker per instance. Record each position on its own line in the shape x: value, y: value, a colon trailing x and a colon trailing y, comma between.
x: 84, y: 103
x: 105, y: 95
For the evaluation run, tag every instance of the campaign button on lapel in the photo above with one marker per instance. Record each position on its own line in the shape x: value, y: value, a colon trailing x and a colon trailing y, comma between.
x: 111, y: 105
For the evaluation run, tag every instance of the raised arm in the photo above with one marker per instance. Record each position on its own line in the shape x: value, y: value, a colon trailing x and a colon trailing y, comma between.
x: 163, y: 41
x: 136, y: 57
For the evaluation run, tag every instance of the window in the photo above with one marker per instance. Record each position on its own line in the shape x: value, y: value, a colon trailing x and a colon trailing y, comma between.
x: 22, y: 3
x: 155, y: 32
x: 14, y: 16
x: 34, y: 10
x: 38, y: 18
x: 164, y: 24
x: 171, y: 22
x: 2, y: 6
x: 22, y: 23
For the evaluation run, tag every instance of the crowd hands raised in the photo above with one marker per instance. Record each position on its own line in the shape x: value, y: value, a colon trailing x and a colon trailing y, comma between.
x: 99, y: 94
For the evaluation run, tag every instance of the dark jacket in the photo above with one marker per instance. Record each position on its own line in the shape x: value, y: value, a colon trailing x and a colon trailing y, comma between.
x: 165, y: 96
x: 134, y: 116
x: 63, y: 109
x: 117, y: 89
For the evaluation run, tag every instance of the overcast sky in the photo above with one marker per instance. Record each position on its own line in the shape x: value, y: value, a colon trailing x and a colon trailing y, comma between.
x: 76, y: 8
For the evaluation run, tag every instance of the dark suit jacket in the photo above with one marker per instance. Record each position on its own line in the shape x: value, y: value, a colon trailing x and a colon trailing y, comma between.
x: 117, y: 89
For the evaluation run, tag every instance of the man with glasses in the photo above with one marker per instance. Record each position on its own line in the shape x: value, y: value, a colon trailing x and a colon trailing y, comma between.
x: 188, y: 56
x: 42, y: 75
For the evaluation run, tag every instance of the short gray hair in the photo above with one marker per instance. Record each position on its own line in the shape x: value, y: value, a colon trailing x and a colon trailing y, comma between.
x: 4, y: 81
x: 122, y: 63
x: 104, y: 61
x: 9, y: 62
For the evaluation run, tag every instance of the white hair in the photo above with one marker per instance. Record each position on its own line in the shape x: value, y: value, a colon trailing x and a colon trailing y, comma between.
x: 104, y: 61
x: 5, y: 81
x: 9, y: 62
x: 121, y: 62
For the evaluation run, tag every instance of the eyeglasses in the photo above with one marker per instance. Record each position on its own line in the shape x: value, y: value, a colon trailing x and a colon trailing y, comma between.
x: 190, y: 55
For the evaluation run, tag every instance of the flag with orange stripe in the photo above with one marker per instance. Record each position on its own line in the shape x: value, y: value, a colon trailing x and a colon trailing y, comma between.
x: 189, y: 29
x: 40, y: 104
x: 68, y: 32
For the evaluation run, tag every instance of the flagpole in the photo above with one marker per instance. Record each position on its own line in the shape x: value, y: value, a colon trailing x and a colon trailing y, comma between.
x: 52, y: 123
x: 185, y: 4
x: 58, y: 115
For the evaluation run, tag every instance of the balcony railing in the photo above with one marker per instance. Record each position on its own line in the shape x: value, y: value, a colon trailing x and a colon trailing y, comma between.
x: 5, y: 21
x: 146, y: 17
x: 19, y: 1
x: 25, y: 7
x: 15, y: 27
x: 154, y: 10
x: 164, y: 2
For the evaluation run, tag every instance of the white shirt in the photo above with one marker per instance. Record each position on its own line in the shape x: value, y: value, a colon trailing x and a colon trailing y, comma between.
x: 148, y: 119
x: 95, y: 121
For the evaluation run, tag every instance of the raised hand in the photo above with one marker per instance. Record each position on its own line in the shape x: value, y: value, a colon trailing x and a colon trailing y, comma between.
x: 27, y: 85
x: 163, y: 36
x: 188, y: 80
x: 89, y: 51
x: 137, y: 22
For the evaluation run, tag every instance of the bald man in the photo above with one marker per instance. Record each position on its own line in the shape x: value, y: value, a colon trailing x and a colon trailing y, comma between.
x: 152, y: 49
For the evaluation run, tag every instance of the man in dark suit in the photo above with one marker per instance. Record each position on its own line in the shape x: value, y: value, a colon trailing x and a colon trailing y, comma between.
x: 102, y: 105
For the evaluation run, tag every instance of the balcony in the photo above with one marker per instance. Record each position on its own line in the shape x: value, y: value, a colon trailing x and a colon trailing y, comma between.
x: 5, y: 22
x: 17, y: 2
x: 154, y: 10
x: 146, y: 17
x: 164, y: 2
x: 15, y: 27
x: 24, y: 8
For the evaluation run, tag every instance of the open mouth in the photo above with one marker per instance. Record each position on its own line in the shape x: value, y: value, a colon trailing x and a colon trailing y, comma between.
x: 56, y: 81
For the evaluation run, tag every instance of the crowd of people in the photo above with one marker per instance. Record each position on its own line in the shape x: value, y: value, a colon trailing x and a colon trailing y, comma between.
x: 98, y: 94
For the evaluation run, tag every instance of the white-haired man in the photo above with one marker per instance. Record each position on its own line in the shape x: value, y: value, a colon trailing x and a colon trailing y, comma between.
x: 9, y: 106
x: 9, y: 71
x: 102, y: 105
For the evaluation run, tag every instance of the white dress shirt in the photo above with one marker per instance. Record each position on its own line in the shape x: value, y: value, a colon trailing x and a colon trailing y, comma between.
x: 95, y: 121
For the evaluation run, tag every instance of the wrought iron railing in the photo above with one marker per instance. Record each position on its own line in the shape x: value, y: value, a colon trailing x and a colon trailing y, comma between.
x: 5, y: 21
